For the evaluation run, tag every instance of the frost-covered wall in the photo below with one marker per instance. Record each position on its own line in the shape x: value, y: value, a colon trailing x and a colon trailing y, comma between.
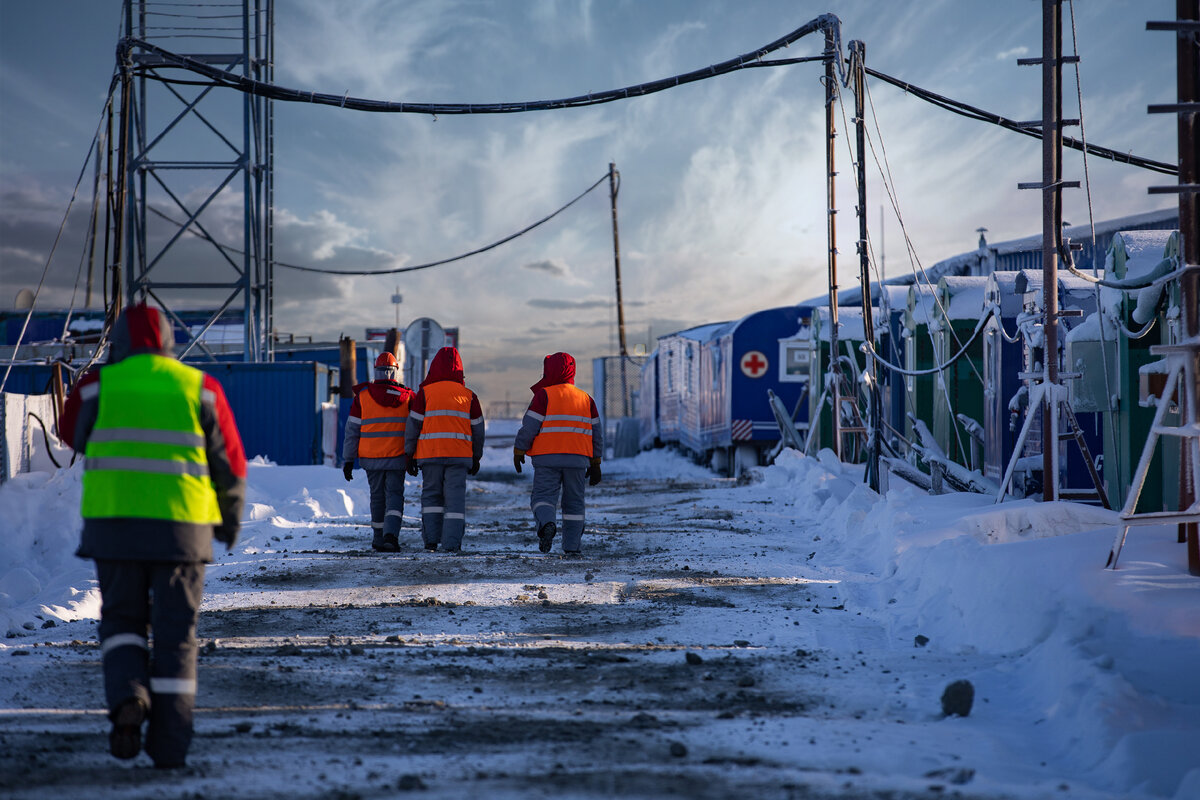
x: 19, y: 428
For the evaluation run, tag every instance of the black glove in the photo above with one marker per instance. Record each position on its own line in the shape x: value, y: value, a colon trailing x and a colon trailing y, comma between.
x: 593, y: 473
x: 518, y: 458
x: 226, y: 535
x: 348, y: 470
x: 474, y: 467
x: 412, y: 466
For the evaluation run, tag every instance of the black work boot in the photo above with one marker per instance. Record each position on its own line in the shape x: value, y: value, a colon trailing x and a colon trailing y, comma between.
x: 390, y: 543
x: 377, y: 540
x: 546, y: 536
x: 125, y: 738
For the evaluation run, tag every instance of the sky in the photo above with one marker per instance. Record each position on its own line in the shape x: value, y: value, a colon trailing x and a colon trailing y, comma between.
x: 1081, y: 675
x: 722, y: 198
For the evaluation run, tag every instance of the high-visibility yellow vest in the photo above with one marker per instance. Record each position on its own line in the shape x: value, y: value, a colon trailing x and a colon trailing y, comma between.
x: 567, y: 427
x: 145, y: 457
x: 381, y: 433
x: 446, y: 429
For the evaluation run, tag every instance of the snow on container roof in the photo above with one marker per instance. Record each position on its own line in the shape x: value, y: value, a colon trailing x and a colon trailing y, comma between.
x: 850, y: 324
x: 1001, y: 290
x: 1143, y: 250
x: 698, y: 333
x: 962, y: 296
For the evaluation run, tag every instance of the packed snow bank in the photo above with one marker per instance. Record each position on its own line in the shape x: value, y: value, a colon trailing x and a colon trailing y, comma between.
x: 1103, y: 658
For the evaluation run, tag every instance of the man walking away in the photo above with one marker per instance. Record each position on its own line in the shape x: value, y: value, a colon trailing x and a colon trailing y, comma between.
x: 164, y: 474
x: 562, y: 434
x: 444, y: 440
x: 375, y: 436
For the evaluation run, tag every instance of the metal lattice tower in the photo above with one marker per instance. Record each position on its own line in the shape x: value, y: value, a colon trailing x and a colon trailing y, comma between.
x: 197, y: 164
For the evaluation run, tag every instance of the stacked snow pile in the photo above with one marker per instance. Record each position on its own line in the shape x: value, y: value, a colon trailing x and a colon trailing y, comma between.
x: 40, y: 511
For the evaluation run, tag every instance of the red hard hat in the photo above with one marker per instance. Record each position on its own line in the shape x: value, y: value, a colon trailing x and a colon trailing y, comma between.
x: 386, y: 360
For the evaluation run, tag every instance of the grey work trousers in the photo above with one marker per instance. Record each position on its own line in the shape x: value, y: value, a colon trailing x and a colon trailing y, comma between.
x: 137, y: 598
x: 443, y: 504
x: 548, y: 483
x: 387, y: 501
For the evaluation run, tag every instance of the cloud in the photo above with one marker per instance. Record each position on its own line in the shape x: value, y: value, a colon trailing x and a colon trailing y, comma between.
x: 1015, y: 52
x: 552, y: 266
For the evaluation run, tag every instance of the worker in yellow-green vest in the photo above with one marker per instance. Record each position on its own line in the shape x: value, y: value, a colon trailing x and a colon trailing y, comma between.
x: 164, y: 475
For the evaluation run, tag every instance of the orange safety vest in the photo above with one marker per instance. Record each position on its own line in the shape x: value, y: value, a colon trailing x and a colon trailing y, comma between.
x: 567, y: 427
x: 446, y: 429
x: 381, y: 434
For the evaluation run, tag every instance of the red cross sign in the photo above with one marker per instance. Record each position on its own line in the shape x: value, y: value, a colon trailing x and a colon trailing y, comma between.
x: 754, y: 364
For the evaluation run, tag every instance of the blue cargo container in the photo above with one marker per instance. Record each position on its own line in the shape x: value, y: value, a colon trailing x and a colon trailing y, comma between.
x: 678, y: 377
x: 646, y: 404
x: 278, y: 407
x: 726, y: 418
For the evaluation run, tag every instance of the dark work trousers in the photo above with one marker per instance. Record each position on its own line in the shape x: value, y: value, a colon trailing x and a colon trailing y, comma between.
x: 443, y: 504
x: 387, y: 500
x: 548, y: 482
x: 137, y: 598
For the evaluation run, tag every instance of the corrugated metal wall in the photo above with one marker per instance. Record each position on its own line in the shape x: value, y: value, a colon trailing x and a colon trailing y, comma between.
x: 277, y: 407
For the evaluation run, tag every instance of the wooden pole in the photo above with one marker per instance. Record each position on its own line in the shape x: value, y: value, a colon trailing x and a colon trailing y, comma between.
x: 349, y: 367
x: 1051, y: 231
x: 858, y: 54
x: 613, y: 184
x: 1187, y: 91
x: 835, y: 372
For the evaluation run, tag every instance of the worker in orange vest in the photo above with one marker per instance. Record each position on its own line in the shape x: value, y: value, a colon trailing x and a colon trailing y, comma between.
x: 375, y: 436
x: 562, y: 434
x: 444, y: 440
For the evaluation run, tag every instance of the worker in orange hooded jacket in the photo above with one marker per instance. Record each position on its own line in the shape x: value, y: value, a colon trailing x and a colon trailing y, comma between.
x: 375, y: 436
x: 444, y: 441
x: 562, y: 433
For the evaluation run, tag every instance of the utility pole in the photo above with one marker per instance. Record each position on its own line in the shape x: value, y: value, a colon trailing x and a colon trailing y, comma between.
x: 858, y: 54
x: 835, y: 372
x: 614, y: 183
x: 1051, y: 231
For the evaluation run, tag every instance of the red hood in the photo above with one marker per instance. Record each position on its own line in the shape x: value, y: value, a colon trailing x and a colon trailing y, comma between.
x: 556, y: 368
x: 141, y: 329
x: 446, y: 366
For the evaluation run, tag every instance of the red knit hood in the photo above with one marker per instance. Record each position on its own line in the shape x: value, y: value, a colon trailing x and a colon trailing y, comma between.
x: 141, y: 329
x: 446, y: 366
x: 556, y: 368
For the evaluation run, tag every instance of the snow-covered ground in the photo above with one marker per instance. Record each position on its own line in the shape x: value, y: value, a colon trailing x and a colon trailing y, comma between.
x: 856, y: 611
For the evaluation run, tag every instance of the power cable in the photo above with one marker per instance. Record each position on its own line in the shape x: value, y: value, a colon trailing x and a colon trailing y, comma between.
x: 396, y: 270
x: 58, y: 236
x: 987, y: 116
x: 263, y: 89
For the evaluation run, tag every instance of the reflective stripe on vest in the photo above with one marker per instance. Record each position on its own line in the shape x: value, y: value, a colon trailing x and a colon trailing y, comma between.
x: 446, y: 429
x: 145, y: 457
x: 567, y: 425
x: 381, y: 434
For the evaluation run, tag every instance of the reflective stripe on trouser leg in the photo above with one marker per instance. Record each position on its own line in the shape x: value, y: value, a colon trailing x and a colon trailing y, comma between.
x: 432, y: 503
x: 376, y: 480
x: 393, y: 518
x: 124, y: 625
x: 454, y: 489
x: 573, y: 481
x: 543, y: 498
x: 178, y: 590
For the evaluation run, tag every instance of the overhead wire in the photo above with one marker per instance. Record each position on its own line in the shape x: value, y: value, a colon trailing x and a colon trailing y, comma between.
x: 395, y: 270
x: 255, y: 87
x: 58, y: 236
